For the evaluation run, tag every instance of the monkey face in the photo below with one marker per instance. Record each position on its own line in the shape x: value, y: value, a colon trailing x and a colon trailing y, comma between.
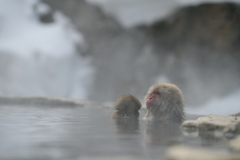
x: 153, y: 98
x: 159, y: 97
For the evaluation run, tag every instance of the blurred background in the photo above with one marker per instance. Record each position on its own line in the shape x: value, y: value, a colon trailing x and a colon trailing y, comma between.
x: 99, y: 50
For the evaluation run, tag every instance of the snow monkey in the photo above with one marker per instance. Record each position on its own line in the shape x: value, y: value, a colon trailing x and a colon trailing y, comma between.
x: 164, y: 101
x: 127, y: 106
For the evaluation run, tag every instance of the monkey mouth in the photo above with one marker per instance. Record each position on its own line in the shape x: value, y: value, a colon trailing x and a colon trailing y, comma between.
x: 149, y: 104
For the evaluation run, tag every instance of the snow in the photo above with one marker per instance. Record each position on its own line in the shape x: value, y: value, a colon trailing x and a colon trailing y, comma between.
x: 40, y: 59
x: 22, y: 33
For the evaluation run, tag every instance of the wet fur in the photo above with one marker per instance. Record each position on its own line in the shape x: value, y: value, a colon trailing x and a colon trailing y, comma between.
x: 127, y: 106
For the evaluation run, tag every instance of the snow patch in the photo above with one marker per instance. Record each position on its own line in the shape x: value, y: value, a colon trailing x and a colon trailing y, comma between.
x: 40, y: 58
x: 22, y: 33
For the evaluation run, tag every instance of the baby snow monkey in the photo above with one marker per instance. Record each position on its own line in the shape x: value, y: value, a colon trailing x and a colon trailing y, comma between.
x: 127, y: 106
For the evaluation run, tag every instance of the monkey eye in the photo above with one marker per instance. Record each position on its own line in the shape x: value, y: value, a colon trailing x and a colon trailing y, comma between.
x: 156, y: 92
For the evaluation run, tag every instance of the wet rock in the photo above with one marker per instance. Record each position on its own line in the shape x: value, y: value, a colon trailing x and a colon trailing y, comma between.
x: 224, y: 124
x: 215, y: 122
x: 234, y: 144
x: 233, y: 128
x: 190, y: 124
x: 42, y: 101
x: 235, y: 114
x: 191, y: 153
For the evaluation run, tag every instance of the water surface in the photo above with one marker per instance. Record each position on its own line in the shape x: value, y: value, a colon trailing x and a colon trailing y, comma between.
x: 47, y: 132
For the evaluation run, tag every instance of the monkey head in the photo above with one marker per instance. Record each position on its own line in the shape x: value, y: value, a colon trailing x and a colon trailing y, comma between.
x: 127, y: 106
x: 164, y: 101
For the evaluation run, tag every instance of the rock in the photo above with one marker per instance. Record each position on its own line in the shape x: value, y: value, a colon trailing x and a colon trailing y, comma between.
x: 215, y: 122
x: 233, y: 128
x: 190, y: 124
x: 235, y: 114
x: 234, y: 144
x: 42, y: 101
x: 224, y: 124
x: 191, y: 153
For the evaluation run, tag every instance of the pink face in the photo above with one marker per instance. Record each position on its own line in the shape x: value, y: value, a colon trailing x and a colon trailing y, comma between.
x: 153, y: 98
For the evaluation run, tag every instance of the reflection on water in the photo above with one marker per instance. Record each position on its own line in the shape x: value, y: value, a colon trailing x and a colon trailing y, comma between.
x: 45, y: 132
x: 126, y: 125
x: 162, y: 134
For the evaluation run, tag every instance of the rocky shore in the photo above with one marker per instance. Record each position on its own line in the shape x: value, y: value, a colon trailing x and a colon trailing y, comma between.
x: 42, y: 101
x: 225, y: 128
